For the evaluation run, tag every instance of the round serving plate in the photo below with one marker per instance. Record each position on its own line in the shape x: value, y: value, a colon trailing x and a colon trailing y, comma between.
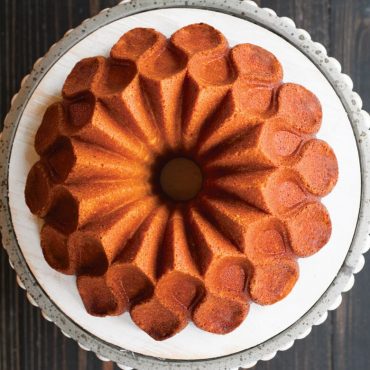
x: 323, y: 277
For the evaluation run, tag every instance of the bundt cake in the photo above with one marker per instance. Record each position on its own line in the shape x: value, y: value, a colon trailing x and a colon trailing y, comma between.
x: 180, y: 179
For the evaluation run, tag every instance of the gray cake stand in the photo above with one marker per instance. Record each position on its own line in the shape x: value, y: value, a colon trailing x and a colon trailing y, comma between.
x: 354, y: 260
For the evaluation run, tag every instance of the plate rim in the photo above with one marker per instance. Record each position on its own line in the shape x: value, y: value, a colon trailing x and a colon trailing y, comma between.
x: 360, y: 122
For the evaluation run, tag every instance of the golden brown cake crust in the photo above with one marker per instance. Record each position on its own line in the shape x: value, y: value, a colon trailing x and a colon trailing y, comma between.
x: 256, y: 207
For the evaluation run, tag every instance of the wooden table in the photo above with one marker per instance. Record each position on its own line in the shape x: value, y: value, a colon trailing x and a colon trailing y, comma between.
x: 28, y: 342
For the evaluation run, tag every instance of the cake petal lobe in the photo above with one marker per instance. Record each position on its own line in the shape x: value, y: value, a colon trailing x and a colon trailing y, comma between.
x: 55, y: 249
x: 254, y: 63
x: 155, y: 319
x: 39, y: 189
x: 318, y: 167
x: 219, y: 315
x: 207, y: 39
x: 273, y: 280
x: 136, y: 43
x: 300, y: 108
x: 97, y: 297
x: 309, y: 229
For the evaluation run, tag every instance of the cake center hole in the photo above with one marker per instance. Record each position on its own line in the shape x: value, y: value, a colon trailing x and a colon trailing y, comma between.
x: 181, y: 179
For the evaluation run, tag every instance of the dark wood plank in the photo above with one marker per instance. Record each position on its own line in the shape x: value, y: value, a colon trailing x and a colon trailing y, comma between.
x: 27, y: 29
x: 312, y: 15
x: 350, y: 35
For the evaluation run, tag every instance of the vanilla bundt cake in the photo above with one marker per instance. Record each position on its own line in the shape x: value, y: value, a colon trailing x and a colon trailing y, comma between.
x: 180, y: 180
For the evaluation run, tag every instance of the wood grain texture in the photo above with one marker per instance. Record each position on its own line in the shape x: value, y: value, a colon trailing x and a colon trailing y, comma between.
x: 350, y: 43
x: 28, y: 342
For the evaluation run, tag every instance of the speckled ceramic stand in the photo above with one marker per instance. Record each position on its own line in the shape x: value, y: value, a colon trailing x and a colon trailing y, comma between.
x: 323, y: 277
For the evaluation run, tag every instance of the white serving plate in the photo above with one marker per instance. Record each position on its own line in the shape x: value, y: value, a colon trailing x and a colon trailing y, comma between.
x: 266, y: 329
